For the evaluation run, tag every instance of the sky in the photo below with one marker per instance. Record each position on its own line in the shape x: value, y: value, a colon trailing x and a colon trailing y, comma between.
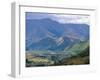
x: 61, y: 18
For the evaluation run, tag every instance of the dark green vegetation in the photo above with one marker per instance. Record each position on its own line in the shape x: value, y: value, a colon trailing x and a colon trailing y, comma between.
x: 75, y: 54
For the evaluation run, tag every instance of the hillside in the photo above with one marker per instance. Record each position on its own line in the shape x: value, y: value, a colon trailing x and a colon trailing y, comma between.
x: 39, y: 31
x: 80, y: 54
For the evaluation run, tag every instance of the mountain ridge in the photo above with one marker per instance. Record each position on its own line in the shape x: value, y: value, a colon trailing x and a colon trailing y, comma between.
x: 39, y: 30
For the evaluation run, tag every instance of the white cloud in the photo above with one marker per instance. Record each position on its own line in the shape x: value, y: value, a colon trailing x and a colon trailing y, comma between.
x: 71, y: 19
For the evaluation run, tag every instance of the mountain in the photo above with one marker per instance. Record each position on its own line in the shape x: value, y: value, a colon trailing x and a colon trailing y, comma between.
x: 49, y: 34
x: 52, y: 44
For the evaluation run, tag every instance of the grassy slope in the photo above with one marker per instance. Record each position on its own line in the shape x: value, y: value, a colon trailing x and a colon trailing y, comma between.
x: 81, y: 54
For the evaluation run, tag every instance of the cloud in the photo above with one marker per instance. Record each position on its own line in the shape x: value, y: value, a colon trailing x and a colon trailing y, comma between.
x: 71, y: 19
x: 61, y: 18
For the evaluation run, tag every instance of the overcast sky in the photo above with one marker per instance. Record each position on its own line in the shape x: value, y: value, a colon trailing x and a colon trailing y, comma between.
x: 61, y: 18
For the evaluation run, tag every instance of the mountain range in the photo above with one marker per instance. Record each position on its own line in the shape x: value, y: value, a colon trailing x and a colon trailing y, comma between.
x: 48, y: 34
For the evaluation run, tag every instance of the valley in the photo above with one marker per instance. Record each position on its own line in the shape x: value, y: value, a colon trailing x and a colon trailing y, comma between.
x: 74, y: 55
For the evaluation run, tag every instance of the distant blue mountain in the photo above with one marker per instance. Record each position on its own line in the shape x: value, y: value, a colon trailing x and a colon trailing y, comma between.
x: 48, y: 34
